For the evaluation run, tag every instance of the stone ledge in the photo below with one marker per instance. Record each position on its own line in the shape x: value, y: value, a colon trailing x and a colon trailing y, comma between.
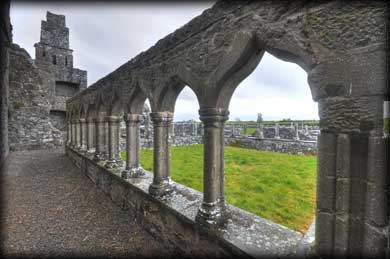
x: 171, y: 219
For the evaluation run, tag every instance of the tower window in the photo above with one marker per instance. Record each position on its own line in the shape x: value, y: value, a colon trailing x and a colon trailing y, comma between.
x: 66, y: 61
x: 44, y: 53
x: 54, y: 60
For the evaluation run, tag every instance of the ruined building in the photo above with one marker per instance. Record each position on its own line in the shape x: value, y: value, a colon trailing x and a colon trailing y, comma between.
x: 39, y: 88
x: 342, y: 45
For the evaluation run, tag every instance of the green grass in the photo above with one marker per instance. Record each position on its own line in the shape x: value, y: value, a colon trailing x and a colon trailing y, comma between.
x: 275, y: 186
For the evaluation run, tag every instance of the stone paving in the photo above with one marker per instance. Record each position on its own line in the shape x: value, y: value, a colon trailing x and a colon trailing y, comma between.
x: 50, y: 209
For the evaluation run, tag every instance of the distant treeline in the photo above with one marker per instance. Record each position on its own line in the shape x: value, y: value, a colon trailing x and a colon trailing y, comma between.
x: 281, y: 123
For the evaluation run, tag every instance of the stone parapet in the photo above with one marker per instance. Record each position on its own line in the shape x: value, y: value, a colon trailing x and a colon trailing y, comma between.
x: 171, y: 218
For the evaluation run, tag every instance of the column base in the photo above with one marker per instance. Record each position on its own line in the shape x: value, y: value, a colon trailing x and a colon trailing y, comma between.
x: 113, y: 164
x: 276, y: 137
x: 212, y: 214
x: 83, y: 149
x: 160, y: 189
x: 99, y: 157
x: 133, y: 172
x: 90, y: 151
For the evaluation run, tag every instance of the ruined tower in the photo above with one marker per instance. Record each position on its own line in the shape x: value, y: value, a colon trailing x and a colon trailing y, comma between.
x: 39, y: 88
x: 53, y: 54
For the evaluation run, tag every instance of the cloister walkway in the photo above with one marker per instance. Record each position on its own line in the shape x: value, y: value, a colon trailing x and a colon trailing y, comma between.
x: 48, y: 208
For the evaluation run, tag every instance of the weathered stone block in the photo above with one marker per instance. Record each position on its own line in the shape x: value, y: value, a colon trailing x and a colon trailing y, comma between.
x: 324, y: 241
x: 326, y: 190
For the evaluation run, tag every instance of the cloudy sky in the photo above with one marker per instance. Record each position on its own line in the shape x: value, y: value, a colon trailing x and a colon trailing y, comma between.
x: 104, y: 36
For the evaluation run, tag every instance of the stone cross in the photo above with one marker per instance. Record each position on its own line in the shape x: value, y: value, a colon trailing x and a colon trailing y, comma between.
x: 259, y: 131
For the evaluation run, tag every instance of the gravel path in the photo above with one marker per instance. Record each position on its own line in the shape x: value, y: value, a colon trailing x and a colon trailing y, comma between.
x: 49, y: 208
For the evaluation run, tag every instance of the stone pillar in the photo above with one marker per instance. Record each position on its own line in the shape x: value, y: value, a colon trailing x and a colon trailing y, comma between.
x: 233, y: 129
x: 76, y: 123
x: 277, y: 136
x: 74, y: 134
x: 246, y: 130
x: 83, y: 135
x: 71, y: 133
x: 90, y: 135
x: 68, y: 132
x: 114, y: 159
x: 213, y: 205
x: 161, y: 178
x: 296, y: 133
x: 133, y: 167
x: 100, y: 141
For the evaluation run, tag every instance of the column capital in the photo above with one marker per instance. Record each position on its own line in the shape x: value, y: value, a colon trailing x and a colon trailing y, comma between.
x: 213, y: 115
x: 75, y: 121
x: 82, y: 120
x: 113, y: 118
x: 161, y: 117
x: 89, y: 120
x: 132, y: 117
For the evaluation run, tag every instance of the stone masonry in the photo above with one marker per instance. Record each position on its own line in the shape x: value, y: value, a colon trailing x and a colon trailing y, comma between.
x: 342, y: 47
x: 39, y: 88
x: 5, y: 41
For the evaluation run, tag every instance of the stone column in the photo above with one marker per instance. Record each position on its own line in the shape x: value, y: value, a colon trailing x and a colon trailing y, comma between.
x: 161, y: 178
x: 114, y: 160
x: 213, y: 205
x: 71, y: 143
x: 83, y: 135
x: 173, y: 129
x: 133, y: 167
x: 100, y: 139
x: 245, y: 130
x: 277, y: 136
x: 296, y: 133
x: 90, y: 135
x: 74, y: 135
x: 68, y: 132
x: 76, y: 123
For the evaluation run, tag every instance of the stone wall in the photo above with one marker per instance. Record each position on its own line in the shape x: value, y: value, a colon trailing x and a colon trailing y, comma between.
x: 5, y: 41
x: 297, y: 147
x: 30, y: 126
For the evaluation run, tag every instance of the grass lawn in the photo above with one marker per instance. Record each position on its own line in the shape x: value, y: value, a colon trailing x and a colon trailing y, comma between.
x: 275, y: 186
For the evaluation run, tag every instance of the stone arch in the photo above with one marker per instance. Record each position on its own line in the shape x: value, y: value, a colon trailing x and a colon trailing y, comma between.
x: 169, y: 94
x: 115, y: 104
x: 135, y: 102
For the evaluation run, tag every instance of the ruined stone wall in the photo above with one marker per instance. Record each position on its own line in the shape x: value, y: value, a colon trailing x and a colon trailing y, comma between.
x: 5, y: 41
x: 287, y: 146
x: 30, y: 126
